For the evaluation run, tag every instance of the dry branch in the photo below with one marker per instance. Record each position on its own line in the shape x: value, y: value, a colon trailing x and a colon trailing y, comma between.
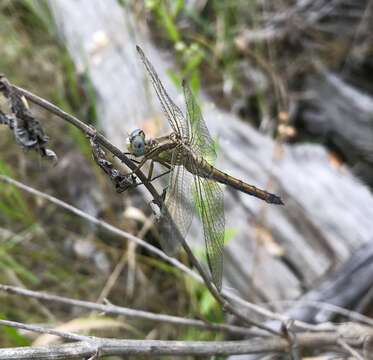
x: 250, y: 308
x: 91, y: 346
x: 106, y: 347
x: 119, y: 310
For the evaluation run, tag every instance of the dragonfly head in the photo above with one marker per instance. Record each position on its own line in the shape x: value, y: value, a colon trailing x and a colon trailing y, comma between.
x: 136, y: 142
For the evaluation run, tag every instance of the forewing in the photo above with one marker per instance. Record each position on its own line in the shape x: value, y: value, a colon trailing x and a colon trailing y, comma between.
x: 209, y: 201
x: 200, y: 139
x: 174, y: 115
x: 178, y: 204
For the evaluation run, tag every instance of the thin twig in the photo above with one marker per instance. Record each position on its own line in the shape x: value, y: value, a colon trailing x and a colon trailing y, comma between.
x: 118, y: 310
x: 93, y: 134
x: 103, y: 224
x: 152, y: 249
x: 140, y: 242
x: 350, y: 314
x: 43, y: 330
x: 351, y: 350
x: 258, y: 309
x: 13, y: 278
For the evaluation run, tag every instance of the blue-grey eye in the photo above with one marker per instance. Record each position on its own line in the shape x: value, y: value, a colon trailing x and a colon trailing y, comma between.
x: 138, y: 145
x: 137, y: 142
x: 137, y: 132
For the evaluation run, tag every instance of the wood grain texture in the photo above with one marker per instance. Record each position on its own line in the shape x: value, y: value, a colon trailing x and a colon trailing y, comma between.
x: 342, y: 115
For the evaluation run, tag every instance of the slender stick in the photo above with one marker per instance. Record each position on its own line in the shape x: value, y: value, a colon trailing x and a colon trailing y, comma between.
x: 43, y: 330
x: 119, y: 310
x: 89, y: 346
x: 114, y: 230
x: 152, y: 249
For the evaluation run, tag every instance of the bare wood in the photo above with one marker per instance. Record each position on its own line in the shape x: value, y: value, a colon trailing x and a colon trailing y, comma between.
x: 237, y: 300
x: 114, y: 230
x: 119, y: 310
x: 43, y: 330
x: 106, y: 347
x: 349, y: 337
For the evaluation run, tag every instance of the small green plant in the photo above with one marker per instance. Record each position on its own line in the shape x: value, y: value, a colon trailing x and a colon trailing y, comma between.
x: 202, y: 302
x: 12, y: 337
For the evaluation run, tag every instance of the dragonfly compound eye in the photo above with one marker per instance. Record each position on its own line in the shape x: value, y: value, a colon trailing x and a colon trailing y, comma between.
x: 138, y: 145
x: 137, y: 132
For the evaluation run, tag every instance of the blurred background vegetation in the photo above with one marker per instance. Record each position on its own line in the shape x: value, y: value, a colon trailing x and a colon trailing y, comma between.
x: 256, y: 79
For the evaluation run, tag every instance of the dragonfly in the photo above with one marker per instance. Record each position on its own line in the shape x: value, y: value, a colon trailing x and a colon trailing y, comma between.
x: 189, y: 153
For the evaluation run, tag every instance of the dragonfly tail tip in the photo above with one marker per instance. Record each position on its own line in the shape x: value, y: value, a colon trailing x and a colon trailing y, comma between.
x: 274, y: 199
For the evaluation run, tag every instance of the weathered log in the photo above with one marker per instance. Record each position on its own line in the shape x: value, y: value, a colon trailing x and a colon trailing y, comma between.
x: 346, y: 288
x: 343, y: 116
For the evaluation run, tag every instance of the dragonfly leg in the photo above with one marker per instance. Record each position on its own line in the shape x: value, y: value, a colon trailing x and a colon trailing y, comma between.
x: 163, y: 195
x: 150, y: 155
x: 135, y: 161
x: 160, y: 175
x: 151, y: 168
x: 139, y: 166
x: 164, y: 192
x: 150, y: 174
x: 166, y: 165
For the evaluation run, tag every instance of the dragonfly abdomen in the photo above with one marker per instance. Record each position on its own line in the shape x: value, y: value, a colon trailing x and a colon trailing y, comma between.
x: 213, y: 173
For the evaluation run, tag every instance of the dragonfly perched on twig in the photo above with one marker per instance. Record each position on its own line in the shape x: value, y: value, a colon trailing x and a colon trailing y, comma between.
x: 188, y: 153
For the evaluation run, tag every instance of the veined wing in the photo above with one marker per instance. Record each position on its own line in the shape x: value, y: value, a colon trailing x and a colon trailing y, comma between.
x: 178, y: 203
x: 200, y: 139
x: 174, y: 115
x: 209, y: 200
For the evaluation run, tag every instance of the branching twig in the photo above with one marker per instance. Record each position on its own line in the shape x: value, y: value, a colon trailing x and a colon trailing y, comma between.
x: 89, y: 346
x: 152, y: 249
x: 114, y: 230
x: 118, y: 310
x: 350, y: 350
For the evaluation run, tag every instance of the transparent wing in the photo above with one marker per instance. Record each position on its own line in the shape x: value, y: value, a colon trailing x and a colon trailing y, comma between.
x: 209, y: 200
x: 178, y: 204
x: 174, y: 115
x: 200, y: 139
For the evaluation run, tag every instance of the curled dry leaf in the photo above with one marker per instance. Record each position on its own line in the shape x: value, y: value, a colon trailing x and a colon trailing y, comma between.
x: 121, y: 181
x: 26, y: 129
